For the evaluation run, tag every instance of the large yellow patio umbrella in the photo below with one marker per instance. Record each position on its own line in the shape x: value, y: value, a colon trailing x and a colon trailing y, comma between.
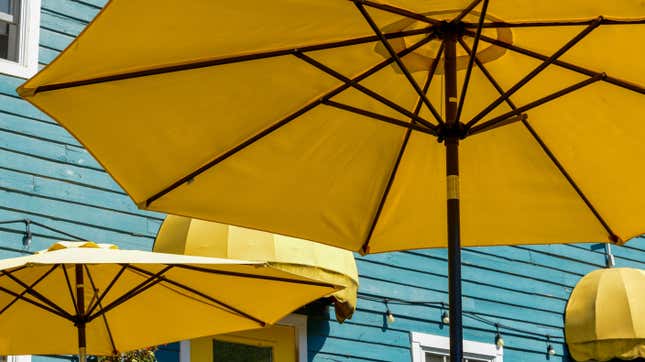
x: 93, y: 298
x: 320, y: 119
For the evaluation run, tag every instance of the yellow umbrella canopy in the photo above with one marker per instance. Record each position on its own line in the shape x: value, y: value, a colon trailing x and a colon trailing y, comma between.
x: 94, y: 298
x: 293, y: 117
x: 183, y: 235
x: 320, y: 119
x: 605, y: 316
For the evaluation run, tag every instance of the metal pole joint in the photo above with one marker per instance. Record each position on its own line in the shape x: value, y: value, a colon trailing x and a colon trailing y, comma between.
x: 455, y: 130
x: 450, y: 30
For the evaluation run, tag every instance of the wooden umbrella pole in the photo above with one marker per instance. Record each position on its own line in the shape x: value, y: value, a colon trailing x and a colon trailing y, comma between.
x: 452, y: 181
x: 80, y: 303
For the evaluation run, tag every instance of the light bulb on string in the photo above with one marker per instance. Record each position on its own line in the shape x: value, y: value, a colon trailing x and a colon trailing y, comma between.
x: 549, y: 348
x: 390, y: 317
x: 499, y: 341
x: 26, y: 239
x: 388, y: 314
x: 445, y: 317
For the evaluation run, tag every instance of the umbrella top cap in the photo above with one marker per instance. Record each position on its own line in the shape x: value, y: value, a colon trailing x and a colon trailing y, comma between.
x: 445, y: 25
x: 78, y: 244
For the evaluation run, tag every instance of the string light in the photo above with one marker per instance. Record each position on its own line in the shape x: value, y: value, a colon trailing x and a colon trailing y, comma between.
x: 388, y: 313
x: 445, y: 316
x: 29, y: 235
x: 499, y: 341
x: 445, y: 319
x: 549, y: 348
x: 26, y: 240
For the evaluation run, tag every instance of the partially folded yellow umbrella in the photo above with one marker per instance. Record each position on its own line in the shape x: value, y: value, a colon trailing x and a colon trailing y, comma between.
x: 183, y: 235
x: 96, y: 299
x: 320, y: 119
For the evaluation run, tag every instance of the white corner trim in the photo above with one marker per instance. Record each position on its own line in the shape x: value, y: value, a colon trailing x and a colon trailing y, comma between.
x: 297, y: 321
x: 422, y: 342
x: 184, y: 351
x: 25, y: 358
x: 27, y: 66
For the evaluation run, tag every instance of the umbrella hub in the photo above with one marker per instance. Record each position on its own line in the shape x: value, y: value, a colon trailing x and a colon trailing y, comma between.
x: 448, y: 29
x: 457, y: 129
x: 422, y: 58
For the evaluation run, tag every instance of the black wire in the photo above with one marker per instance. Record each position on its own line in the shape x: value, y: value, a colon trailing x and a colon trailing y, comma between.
x: 58, y: 231
x: 28, y: 222
x: 12, y: 221
x: 44, y: 226
x: 473, y: 315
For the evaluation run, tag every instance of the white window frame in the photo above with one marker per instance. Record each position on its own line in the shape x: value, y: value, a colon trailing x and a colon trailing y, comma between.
x: 26, y: 358
x: 297, y: 321
x: 422, y: 343
x: 28, y: 38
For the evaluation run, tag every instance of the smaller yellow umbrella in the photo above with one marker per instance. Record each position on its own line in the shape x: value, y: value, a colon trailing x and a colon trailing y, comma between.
x: 183, y: 235
x: 605, y: 316
x: 118, y: 300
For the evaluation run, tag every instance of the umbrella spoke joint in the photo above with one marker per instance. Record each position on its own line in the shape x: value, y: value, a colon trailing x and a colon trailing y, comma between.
x: 457, y: 129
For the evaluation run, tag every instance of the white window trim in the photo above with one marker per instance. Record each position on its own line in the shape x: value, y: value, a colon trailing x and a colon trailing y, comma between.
x: 26, y: 358
x: 297, y: 321
x: 422, y: 342
x: 29, y: 37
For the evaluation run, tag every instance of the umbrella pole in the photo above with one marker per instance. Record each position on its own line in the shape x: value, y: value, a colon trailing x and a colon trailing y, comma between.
x: 452, y: 181
x: 80, y: 304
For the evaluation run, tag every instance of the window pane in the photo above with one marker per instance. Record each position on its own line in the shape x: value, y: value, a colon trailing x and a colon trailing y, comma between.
x: 6, y: 6
x: 9, y: 29
x: 237, y: 352
x: 431, y: 357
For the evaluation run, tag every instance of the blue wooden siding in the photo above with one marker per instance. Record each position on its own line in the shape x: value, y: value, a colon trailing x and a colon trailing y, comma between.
x: 45, y: 175
x: 520, y: 287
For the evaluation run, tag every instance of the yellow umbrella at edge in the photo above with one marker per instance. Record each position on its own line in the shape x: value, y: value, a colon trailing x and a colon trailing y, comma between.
x: 320, y: 119
x: 604, y: 316
x: 93, y: 298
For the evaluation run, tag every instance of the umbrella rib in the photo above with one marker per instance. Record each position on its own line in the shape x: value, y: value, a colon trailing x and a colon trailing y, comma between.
x: 404, y: 144
x: 37, y: 304
x: 582, y: 70
x: 535, y: 72
x: 36, y: 294
x: 524, y: 24
x: 545, y: 148
x: 138, y: 289
x: 107, y: 290
x: 464, y: 88
x: 397, y: 59
x: 203, y: 295
x: 226, y: 60
x: 379, y: 117
x: 249, y: 141
x: 467, y: 11
x: 69, y: 287
x: 506, y: 117
x: 400, y: 11
x: 107, y: 326
x: 32, y: 285
x: 364, y: 89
